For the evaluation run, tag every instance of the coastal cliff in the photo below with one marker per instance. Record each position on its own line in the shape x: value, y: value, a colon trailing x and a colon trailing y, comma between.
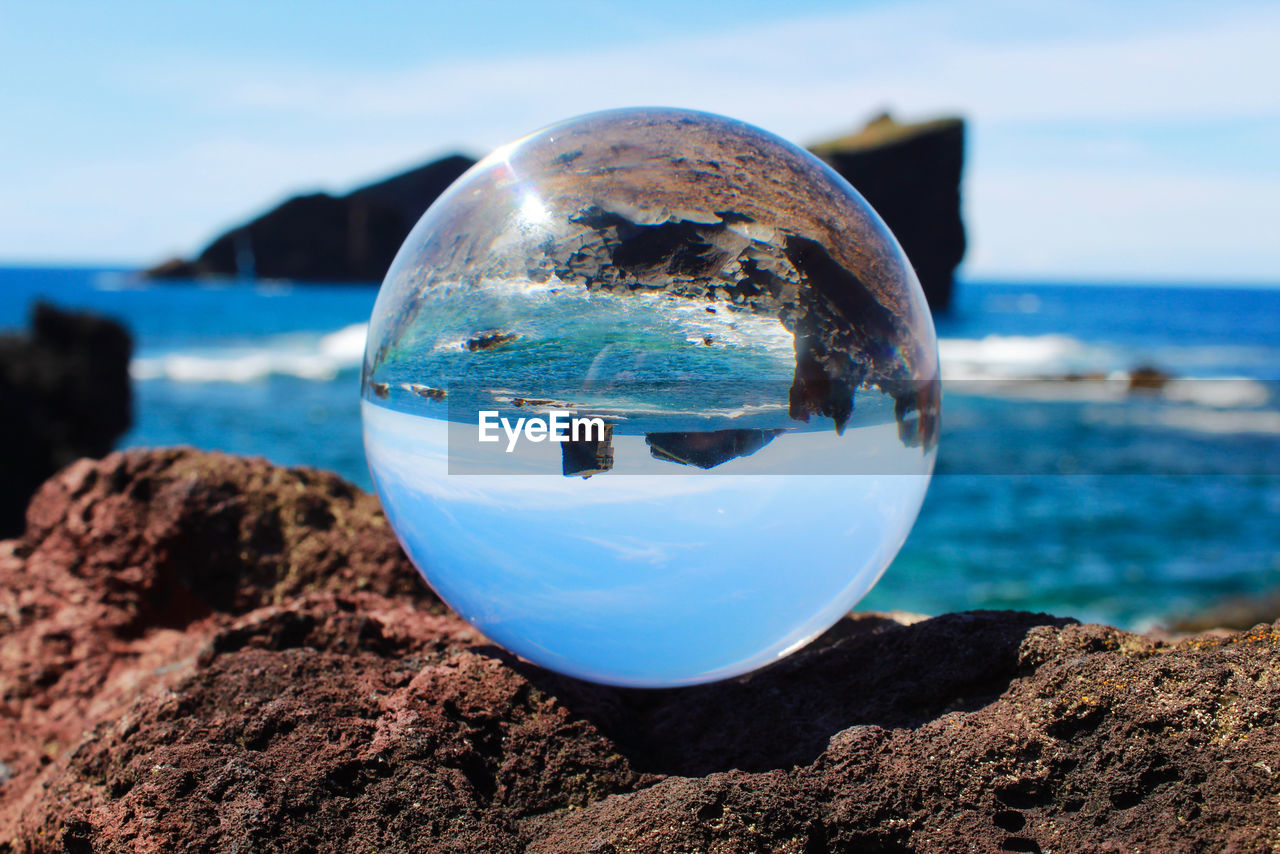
x: 202, y: 652
x: 324, y: 238
x: 910, y: 173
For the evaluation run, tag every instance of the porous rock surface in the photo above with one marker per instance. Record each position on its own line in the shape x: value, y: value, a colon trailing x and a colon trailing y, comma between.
x: 203, y: 653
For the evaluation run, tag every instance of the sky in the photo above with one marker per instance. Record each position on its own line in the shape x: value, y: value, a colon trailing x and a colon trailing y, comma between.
x: 1106, y: 141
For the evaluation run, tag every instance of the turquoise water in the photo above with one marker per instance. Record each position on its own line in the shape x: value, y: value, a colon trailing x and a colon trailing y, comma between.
x: 273, y: 370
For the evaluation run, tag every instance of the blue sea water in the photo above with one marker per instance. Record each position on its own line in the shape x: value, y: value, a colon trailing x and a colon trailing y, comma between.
x: 1079, y: 499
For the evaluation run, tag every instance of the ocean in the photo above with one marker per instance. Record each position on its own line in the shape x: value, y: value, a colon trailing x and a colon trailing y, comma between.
x: 1081, y: 499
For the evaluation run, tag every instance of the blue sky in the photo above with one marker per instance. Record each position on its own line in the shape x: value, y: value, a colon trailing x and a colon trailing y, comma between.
x: 1134, y: 141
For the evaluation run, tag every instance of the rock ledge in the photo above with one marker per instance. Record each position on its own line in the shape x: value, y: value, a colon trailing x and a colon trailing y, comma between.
x: 205, y: 653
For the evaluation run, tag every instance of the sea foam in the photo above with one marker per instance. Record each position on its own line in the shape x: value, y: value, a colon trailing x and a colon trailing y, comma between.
x: 319, y: 357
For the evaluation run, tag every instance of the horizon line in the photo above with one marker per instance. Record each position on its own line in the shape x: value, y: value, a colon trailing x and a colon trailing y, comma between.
x: 998, y: 279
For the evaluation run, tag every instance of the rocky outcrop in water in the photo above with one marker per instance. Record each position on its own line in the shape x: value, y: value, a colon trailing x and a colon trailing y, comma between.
x: 911, y: 174
x: 708, y: 448
x: 324, y: 238
x: 203, y: 653
x: 701, y: 209
x: 844, y: 332
x: 64, y: 394
x: 589, y: 455
x: 489, y: 340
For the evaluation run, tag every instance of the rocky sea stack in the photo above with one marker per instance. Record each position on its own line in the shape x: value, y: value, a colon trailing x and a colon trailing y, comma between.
x: 910, y: 173
x: 323, y: 238
x: 206, y: 653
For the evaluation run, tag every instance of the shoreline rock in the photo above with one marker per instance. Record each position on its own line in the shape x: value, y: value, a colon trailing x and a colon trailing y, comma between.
x: 489, y: 340
x: 129, y: 564
x: 752, y: 225
x: 200, y: 652
x: 64, y: 394
x: 323, y: 238
x: 707, y: 449
x: 910, y: 173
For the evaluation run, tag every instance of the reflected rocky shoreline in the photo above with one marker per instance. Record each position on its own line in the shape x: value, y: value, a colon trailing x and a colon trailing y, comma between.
x: 694, y: 207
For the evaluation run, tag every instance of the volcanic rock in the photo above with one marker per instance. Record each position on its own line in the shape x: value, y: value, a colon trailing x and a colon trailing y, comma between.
x: 263, y: 706
x: 489, y: 340
x: 324, y: 238
x: 123, y: 557
x: 1146, y: 378
x: 699, y: 209
x: 910, y: 173
x: 589, y: 455
x: 64, y: 394
x: 708, y: 448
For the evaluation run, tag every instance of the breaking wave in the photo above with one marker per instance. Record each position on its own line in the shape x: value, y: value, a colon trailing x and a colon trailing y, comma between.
x: 319, y: 357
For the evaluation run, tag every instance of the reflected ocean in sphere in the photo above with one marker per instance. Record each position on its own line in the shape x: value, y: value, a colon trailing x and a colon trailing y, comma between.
x: 758, y: 360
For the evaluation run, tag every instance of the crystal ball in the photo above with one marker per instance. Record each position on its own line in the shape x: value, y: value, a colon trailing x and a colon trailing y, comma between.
x: 650, y: 397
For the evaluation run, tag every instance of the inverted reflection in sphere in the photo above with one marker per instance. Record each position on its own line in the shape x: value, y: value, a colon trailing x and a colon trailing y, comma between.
x: 650, y: 397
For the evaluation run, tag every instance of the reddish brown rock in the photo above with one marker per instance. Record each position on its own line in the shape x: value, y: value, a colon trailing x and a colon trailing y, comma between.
x: 163, y: 535
x: 337, y: 724
x: 1102, y: 741
x: 283, y: 712
x: 130, y: 563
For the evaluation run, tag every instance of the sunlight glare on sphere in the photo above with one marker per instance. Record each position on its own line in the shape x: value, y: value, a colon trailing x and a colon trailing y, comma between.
x: 650, y: 397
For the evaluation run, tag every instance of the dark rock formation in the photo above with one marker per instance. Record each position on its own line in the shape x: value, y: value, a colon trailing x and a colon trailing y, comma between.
x: 428, y: 392
x: 1235, y: 612
x: 186, y: 665
x: 489, y: 340
x: 323, y: 238
x: 64, y: 394
x: 911, y: 175
x: 129, y: 564
x: 707, y: 449
x: 584, y: 457
x: 1146, y: 378
x: 698, y: 208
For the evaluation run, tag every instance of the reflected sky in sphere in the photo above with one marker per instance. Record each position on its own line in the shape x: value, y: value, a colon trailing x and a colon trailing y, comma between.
x: 754, y: 365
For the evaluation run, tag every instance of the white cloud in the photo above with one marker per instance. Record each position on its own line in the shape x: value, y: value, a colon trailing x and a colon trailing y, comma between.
x: 794, y: 74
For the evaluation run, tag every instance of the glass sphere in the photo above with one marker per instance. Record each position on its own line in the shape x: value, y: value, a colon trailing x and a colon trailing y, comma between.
x: 650, y: 397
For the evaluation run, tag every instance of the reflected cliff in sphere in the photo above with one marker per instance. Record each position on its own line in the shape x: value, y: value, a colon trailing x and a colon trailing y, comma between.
x: 752, y: 363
